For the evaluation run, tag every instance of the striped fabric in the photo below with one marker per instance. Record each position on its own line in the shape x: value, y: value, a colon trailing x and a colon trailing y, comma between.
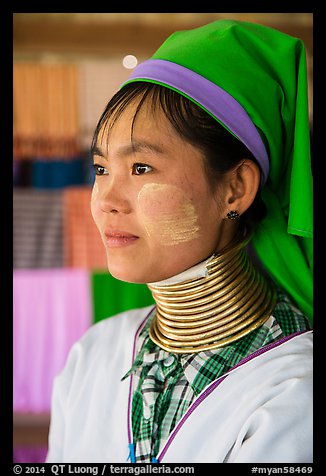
x: 83, y: 247
x: 166, y: 384
x: 37, y: 228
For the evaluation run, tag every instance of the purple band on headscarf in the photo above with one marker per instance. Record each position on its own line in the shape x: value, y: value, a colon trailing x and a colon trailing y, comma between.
x: 214, y: 99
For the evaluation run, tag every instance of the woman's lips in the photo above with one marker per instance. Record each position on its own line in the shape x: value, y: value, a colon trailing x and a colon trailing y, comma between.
x: 118, y: 239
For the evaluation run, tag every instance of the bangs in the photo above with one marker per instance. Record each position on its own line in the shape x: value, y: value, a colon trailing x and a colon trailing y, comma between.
x: 117, y: 105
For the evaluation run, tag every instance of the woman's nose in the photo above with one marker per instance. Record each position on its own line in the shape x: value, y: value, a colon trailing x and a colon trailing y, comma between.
x: 113, y: 198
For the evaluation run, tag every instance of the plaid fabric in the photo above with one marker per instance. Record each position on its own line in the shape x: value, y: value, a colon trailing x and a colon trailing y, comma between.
x: 166, y: 384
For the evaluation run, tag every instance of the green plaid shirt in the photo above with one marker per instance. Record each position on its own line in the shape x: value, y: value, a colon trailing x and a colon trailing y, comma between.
x: 166, y: 384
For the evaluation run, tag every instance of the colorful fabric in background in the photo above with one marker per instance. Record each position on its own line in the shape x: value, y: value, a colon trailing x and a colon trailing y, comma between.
x: 55, y: 228
x: 53, y: 174
x: 111, y: 296
x: 57, y: 173
x: 45, y: 110
x: 83, y: 246
x: 52, y: 309
x: 37, y: 228
x: 31, y: 453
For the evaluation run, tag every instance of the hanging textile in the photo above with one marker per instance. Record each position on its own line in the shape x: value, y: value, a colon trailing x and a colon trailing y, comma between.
x: 37, y: 228
x: 51, y: 310
x: 29, y: 454
x: 45, y: 110
x: 83, y: 247
x: 58, y: 173
x: 111, y: 296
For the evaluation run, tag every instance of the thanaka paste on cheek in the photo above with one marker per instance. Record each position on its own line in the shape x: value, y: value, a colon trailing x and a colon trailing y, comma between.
x: 168, y: 214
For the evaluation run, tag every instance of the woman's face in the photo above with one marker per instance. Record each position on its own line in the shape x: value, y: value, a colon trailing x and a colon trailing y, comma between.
x: 151, y: 201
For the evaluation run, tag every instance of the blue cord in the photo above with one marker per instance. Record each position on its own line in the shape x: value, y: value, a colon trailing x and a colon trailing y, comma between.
x: 132, y: 456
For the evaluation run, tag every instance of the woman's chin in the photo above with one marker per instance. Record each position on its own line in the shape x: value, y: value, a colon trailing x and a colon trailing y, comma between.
x: 135, y: 275
x: 143, y: 270
x: 127, y: 274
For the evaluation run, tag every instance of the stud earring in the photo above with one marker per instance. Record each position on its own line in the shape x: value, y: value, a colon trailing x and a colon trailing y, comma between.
x: 233, y: 215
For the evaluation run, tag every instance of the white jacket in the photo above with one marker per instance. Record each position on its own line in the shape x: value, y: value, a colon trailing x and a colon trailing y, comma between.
x: 259, y: 412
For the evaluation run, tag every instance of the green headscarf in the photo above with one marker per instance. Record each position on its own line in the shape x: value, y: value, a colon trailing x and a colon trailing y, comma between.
x: 253, y: 78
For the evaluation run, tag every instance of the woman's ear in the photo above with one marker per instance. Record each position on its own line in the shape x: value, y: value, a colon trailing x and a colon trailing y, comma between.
x: 243, y: 185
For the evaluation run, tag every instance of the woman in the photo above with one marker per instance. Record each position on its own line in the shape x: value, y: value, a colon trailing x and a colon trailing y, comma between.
x: 202, y: 191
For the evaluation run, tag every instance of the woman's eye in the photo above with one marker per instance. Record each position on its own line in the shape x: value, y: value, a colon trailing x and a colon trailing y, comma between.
x: 140, y: 169
x: 100, y: 170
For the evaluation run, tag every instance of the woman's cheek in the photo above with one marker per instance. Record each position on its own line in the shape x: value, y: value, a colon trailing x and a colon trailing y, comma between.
x: 168, y: 214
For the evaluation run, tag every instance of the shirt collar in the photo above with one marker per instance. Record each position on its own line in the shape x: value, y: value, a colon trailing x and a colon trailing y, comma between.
x: 192, y: 364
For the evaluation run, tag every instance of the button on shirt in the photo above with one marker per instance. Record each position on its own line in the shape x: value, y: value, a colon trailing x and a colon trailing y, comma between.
x: 166, y: 384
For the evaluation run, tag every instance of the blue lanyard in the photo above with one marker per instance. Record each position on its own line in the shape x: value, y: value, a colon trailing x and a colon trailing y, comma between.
x: 132, y: 455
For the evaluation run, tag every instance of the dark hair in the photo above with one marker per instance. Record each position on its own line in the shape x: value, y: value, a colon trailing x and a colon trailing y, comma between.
x: 221, y: 149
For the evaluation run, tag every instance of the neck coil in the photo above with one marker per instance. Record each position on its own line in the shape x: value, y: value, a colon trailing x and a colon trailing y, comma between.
x: 213, y: 311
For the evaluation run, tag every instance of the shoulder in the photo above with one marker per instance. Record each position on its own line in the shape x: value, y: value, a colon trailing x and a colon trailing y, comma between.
x: 287, y: 361
x: 290, y: 359
x: 294, y: 347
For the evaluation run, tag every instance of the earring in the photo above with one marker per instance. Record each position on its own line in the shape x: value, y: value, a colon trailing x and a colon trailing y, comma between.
x: 233, y: 215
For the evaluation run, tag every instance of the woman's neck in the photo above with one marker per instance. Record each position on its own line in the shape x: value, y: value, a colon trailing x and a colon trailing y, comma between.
x: 212, y: 304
